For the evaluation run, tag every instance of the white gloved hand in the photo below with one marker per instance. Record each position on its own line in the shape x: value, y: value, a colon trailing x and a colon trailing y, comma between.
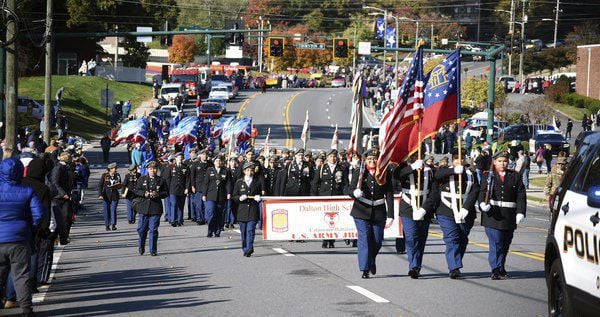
x: 243, y: 197
x: 520, y: 218
x: 484, y: 207
x: 419, y: 214
x: 459, y: 169
x: 357, y: 193
x: 463, y: 214
x: 257, y: 197
x: 418, y: 164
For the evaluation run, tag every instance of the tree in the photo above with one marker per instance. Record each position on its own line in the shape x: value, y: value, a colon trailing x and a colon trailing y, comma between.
x: 137, y: 53
x: 584, y: 34
x: 183, y: 50
x: 474, y: 93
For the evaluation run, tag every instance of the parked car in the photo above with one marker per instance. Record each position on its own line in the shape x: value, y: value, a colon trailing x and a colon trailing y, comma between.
x: 524, y: 132
x: 582, y: 136
x: 217, y: 80
x: 30, y: 106
x: 233, y: 91
x: 338, y: 82
x: 213, y: 109
x: 221, y: 101
x: 368, y: 60
x: 508, y: 82
x: 219, y: 92
x: 172, y: 109
x: 556, y: 140
x: 571, y: 253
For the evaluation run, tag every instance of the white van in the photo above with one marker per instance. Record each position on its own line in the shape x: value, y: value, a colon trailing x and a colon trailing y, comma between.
x: 171, y: 91
x: 30, y: 106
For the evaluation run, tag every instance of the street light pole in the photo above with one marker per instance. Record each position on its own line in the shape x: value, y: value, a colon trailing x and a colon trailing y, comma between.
x: 511, y: 32
x: 522, y: 57
x: 384, y: 38
x: 417, y: 36
x: 48, y: 76
x: 260, y: 52
x: 556, y: 21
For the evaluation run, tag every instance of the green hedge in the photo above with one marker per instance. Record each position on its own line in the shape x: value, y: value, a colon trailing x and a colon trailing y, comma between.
x: 579, y: 101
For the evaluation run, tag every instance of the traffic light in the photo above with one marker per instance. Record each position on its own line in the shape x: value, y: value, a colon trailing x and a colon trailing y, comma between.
x: 276, y: 46
x: 405, y: 39
x: 508, y: 44
x: 516, y: 47
x: 436, y: 41
x: 340, y: 48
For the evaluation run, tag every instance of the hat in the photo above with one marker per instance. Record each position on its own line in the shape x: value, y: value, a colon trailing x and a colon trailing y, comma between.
x: 132, y: 167
x: 430, y: 158
x: 249, y: 165
x: 111, y: 165
x: 178, y: 154
x: 249, y: 150
x: 203, y: 151
x: 300, y: 152
x: 152, y: 164
x: 371, y: 152
x: 562, y: 160
x: 501, y: 154
x: 308, y: 153
x: 445, y: 158
x: 333, y: 152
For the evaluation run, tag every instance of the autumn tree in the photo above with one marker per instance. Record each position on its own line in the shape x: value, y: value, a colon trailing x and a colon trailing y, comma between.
x: 183, y: 50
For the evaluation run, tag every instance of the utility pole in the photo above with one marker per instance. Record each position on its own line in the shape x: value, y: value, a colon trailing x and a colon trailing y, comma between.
x: 11, y: 86
x: 417, y: 36
x: 556, y: 21
x: 354, y: 52
x: 396, y: 60
x: 522, y: 57
x: 511, y: 32
x: 384, y: 38
x: 116, y: 51
x: 260, y: 45
x: 48, y: 77
x: 431, y: 38
x: 2, y: 95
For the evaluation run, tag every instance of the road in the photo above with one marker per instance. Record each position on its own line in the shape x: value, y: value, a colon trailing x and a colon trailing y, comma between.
x: 101, y: 273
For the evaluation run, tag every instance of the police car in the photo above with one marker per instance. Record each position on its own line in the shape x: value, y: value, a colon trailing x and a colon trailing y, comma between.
x: 572, y: 256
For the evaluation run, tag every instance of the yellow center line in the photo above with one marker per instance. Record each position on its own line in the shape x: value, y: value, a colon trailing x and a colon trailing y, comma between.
x: 243, y: 107
x: 527, y: 254
x: 289, y: 142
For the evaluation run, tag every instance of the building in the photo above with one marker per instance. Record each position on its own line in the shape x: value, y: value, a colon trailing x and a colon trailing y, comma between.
x: 588, y: 71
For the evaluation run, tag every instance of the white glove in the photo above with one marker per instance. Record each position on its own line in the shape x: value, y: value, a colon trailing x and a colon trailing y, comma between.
x: 484, y: 207
x: 418, y: 164
x: 243, y: 197
x: 257, y: 197
x: 463, y: 214
x: 419, y: 214
x: 520, y: 218
x: 358, y: 193
x: 459, y: 169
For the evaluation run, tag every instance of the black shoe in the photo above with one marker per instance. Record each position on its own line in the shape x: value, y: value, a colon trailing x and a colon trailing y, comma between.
x: 455, y: 274
x: 107, y: 228
x: 250, y: 252
x: 202, y: 222
x: 324, y: 245
x: 497, y: 275
x: 217, y: 235
x: 246, y: 254
x: 173, y: 224
x: 373, y: 269
x: 413, y: 273
x: 153, y: 254
x: 141, y: 250
x: 365, y: 274
x: 114, y: 228
x: 354, y: 244
x: 503, y: 273
x: 209, y: 235
x: 347, y: 242
x: 193, y: 219
x: 231, y: 226
x: 331, y: 244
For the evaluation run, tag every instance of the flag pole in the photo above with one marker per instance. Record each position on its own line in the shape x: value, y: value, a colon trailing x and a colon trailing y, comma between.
x: 419, y: 170
x: 460, y: 195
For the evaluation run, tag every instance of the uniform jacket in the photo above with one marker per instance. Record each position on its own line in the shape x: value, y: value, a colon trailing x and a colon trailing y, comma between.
x: 294, y: 180
x: 105, y: 187
x: 248, y: 210
x: 511, y: 190
x: 129, y: 183
x: 553, y: 180
x: 404, y: 174
x: 372, y: 191
x: 442, y: 189
x: 178, y: 179
x: 217, y: 186
x: 198, y: 172
x: 20, y: 207
x: 147, y: 205
x: 327, y: 182
x: 270, y: 178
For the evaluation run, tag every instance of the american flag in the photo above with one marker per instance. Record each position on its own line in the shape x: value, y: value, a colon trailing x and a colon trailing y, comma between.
x: 399, y: 120
x: 356, y: 118
x: 305, y: 131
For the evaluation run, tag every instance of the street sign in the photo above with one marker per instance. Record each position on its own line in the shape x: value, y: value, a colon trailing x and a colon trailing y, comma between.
x: 234, y: 52
x: 444, y: 41
x: 311, y: 46
x: 144, y: 39
x: 297, y: 37
x: 364, y: 48
x: 106, y: 97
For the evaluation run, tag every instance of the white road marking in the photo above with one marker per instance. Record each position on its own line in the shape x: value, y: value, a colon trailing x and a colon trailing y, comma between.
x: 39, y: 297
x: 542, y: 219
x: 370, y: 295
x: 236, y: 230
x: 282, y: 251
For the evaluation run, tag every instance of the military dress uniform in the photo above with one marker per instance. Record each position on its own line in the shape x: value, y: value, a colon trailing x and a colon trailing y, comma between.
x: 198, y: 172
x: 454, y: 220
x: 329, y: 180
x: 370, y: 213
x: 270, y: 176
x: 129, y: 183
x: 151, y: 190
x: 415, y: 228
x: 507, y: 198
x: 248, y: 211
x: 294, y: 179
x: 108, y: 189
x: 216, y: 188
x: 178, y: 180
x: 164, y: 171
x: 191, y: 202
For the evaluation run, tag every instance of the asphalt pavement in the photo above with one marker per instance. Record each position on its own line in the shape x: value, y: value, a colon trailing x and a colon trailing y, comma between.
x: 101, y: 273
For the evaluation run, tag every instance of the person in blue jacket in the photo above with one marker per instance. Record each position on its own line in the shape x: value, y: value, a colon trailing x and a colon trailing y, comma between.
x: 21, y: 213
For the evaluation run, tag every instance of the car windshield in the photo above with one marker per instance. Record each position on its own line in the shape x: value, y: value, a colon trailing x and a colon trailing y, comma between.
x: 549, y: 137
x: 219, y: 78
x: 173, y: 90
x: 183, y: 78
x: 219, y: 89
x: 212, y: 106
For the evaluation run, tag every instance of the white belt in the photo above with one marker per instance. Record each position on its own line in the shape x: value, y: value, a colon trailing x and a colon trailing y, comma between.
x: 503, y: 204
x: 410, y: 191
x: 372, y: 202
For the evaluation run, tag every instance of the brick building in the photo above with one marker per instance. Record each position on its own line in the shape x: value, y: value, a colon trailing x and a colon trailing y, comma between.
x: 588, y: 71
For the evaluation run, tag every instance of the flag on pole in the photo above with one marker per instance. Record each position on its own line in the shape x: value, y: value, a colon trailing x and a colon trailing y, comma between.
x: 370, y: 141
x: 267, y: 147
x: 305, y: 131
x: 397, y: 123
x: 356, y: 118
x: 335, y: 139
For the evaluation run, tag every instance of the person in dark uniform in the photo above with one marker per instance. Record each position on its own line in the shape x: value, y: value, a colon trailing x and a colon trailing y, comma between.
x: 329, y: 180
x: 455, y: 217
x: 178, y: 181
x: 415, y: 219
x: 247, y: 192
x: 216, y: 190
x: 150, y: 189
x: 191, y: 203
x: 270, y: 175
x: 165, y: 171
x: 198, y: 172
x: 296, y: 177
x: 370, y: 212
x: 503, y: 202
x: 236, y: 172
x: 108, y: 192
x: 129, y: 183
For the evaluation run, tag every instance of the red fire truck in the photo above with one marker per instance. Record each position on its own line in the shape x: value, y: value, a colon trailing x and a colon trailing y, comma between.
x: 190, y: 77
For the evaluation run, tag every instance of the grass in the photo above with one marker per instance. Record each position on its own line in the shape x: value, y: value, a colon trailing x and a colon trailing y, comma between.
x: 571, y: 112
x: 537, y: 199
x: 81, y: 99
x: 537, y: 181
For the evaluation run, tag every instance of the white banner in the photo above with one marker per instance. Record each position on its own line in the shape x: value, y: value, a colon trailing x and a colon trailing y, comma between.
x: 316, y: 218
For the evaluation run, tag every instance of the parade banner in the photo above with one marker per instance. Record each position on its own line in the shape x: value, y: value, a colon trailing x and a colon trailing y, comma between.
x: 316, y: 218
